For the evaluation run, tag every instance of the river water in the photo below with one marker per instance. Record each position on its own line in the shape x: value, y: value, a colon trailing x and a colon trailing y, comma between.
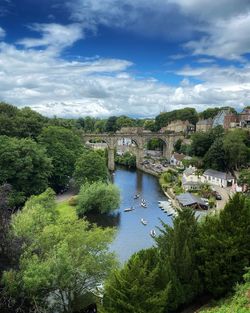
x: 132, y: 235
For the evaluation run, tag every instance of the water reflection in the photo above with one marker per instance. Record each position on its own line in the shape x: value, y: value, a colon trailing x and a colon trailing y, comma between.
x: 104, y: 220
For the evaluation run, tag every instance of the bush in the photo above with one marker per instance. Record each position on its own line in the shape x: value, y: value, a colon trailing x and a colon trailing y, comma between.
x: 98, y: 196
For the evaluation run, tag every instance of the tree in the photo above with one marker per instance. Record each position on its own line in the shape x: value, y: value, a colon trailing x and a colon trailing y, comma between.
x: 244, y: 178
x: 63, y: 147
x: 111, y: 126
x: 224, y: 250
x: 155, y: 144
x: 202, y: 141
x: 91, y: 167
x: 236, y: 149
x: 209, y: 113
x: 29, y: 123
x: 215, y: 157
x: 186, y: 114
x: 124, y: 121
x: 177, y: 251
x: 62, y: 262
x: 98, y: 196
x: 136, y: 288
x: 127, y: 159
x: 149, y: 125
x: 25, y: 166
x: 89, y: 124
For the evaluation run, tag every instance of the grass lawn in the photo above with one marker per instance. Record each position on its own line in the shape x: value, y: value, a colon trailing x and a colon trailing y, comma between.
x: 66, y: 210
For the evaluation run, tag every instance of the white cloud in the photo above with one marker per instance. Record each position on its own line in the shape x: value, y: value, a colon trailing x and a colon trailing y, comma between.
x: 54, y: 36
x: 227, y: 39
x: 51, y: 85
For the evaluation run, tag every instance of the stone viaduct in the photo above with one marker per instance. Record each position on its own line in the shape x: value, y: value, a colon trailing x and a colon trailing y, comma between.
x: 140, y: 138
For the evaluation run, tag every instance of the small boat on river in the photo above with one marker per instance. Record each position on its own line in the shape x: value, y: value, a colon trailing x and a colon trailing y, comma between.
x: 144, y: 222
x: 136, y: 196
x: 129, y: 209
x: 143, y: 204
x: 152, y: 233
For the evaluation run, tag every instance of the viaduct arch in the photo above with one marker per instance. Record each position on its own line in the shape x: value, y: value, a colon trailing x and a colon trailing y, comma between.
x: 139, y: 138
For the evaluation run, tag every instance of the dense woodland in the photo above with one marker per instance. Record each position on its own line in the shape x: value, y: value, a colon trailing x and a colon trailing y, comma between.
x: 52, y: 259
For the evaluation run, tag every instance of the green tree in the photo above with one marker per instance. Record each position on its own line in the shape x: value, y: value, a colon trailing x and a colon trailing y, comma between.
x: 91, y: 167
x: 202, y: 141
x: 62, y: 261
x: 149, y: 125
x: 124, y: 121
x: 63, y: 147
x: 177, y: 249
x: 29, y: 123
x: 215, y: 157
x: 209, y: 113
x: 186, y: 114
x: 127, y: 159
x: 98, y: 196
x: 136, y: 287
x: 111, y: 124
x: 25, y: 166
x: 244, y: 177
x: 100, y: 126
x: 236, y: 149
x: 89, y: 124
x: 224, y: 250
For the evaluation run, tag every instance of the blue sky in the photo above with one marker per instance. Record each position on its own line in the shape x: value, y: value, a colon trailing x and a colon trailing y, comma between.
x: 135, y: 57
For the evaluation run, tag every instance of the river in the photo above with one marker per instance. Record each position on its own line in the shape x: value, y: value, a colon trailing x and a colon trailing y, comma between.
x: 132, y: 235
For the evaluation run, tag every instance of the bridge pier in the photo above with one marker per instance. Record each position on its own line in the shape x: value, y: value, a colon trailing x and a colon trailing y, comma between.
x: 111, y: 159
x: 139, y: 156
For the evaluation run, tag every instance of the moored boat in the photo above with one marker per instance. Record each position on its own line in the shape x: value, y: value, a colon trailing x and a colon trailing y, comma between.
x: 129, y: 209
x: 137, y: 196
x: 144, y: 222
x: 152, y: 233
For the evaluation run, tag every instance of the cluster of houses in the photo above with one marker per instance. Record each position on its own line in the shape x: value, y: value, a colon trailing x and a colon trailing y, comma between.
x: 227, y: 120
x: 224, y: 118
x: 192, y: 180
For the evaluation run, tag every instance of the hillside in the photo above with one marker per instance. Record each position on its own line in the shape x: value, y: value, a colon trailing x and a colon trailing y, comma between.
x: 238, y: 303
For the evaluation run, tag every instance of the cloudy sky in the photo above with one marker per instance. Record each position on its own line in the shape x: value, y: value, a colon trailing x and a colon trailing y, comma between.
x: 134, y: 57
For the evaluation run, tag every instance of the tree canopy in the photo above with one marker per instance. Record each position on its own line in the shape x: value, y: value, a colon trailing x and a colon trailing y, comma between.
x: 99, y: 197
x: 62, y: 260
x: 186, y: 114
x: 63, y: 147
x: 91, y: 167
x: 25, y: 166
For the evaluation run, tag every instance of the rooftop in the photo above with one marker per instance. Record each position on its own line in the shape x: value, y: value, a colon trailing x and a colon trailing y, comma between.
x: 217, y: 174
x: 187, y: 199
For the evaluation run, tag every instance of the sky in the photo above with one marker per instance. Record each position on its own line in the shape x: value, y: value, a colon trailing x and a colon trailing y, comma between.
x: 73, y: 58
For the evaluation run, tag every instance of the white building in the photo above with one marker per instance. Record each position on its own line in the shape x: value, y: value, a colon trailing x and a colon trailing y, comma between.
x: 218, y: 178
x: 190, y: 180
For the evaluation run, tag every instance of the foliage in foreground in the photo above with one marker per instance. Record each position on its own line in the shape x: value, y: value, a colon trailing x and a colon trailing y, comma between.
x: 166, y: 276
x: 191, y: 258
x: 62, y: 260
x: 99, y: 197
x: 238, y: 303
